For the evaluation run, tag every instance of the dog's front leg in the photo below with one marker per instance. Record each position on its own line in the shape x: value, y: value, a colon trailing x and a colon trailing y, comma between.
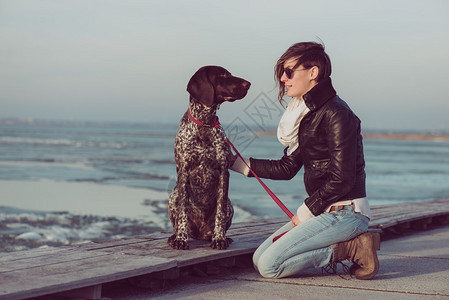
x: 178, y: 214
x: 219, y: 240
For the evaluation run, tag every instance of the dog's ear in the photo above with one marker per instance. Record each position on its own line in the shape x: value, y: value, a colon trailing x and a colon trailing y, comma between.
x: 200, y: 87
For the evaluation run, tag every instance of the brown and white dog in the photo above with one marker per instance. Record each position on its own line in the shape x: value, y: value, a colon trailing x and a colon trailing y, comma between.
x: 199, y: 206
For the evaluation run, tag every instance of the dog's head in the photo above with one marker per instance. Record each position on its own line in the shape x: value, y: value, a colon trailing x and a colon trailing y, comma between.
x: 212, y: 85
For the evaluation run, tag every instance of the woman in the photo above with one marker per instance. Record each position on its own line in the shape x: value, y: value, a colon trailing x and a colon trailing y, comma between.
x: 322, y: 134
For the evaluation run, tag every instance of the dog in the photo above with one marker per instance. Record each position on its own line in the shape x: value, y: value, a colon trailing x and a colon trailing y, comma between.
x: 198, y: 206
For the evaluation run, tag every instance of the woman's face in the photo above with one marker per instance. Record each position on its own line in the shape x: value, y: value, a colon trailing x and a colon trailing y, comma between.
x: 302, y: 80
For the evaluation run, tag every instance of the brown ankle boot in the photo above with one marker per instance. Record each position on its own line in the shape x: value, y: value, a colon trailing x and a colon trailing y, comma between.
x: 361, y: 250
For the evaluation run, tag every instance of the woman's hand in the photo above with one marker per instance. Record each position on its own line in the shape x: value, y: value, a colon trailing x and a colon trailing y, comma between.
x: 295, y: 220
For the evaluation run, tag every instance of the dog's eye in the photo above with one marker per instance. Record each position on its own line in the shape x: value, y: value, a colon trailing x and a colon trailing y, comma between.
x: 224, y: 75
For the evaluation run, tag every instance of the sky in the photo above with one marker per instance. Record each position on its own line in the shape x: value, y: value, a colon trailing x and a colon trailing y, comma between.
x: 110, y: 60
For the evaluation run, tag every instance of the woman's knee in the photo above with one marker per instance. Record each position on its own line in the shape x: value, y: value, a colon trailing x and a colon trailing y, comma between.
x: 266, y: 267
x: 268, y: 273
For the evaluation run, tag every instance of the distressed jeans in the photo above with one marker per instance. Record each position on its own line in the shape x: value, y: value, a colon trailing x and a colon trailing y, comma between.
x: 308, y: 244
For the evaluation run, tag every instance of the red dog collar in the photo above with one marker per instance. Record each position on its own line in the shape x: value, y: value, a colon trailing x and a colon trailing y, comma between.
x: 202, y: 124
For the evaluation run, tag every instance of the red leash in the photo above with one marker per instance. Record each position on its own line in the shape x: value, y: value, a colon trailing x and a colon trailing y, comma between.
x: 275, y: 198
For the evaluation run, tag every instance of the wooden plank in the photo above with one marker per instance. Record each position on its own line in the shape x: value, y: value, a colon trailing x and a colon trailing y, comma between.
x: 114, y: 243
x: 66, y: 256
x: 11, y: 256
x: 391, y: 213
x: 386, y: 222
x: 258, y: 223
x: 70, y: 275
x: 204, y: 253
x: 199, y: 252
x: 254, y: 231
x: 251, y: 228
x: 413, y: 206
x: 387, y: 216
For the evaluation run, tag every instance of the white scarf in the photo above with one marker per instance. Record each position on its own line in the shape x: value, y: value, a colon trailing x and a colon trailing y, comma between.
x: 289, y: 124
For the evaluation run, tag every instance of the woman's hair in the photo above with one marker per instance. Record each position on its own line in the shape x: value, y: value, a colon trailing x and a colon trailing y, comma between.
x: 308, y: 54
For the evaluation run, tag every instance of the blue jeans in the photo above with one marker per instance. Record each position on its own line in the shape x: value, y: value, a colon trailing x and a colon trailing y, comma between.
x: 308, y: 244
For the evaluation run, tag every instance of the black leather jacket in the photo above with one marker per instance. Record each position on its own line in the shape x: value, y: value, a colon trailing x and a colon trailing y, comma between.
x: 330, y: 149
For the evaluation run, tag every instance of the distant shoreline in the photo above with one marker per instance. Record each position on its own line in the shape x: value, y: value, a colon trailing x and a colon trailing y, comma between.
x: 407, y: 136
x: 370, y: 134
x: 390, y: 135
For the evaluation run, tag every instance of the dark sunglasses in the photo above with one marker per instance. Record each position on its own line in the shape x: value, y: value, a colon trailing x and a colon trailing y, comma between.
x: 289, y: 72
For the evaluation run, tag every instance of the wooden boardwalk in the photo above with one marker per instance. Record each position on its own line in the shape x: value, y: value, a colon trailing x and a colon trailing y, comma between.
x: 80, y: 270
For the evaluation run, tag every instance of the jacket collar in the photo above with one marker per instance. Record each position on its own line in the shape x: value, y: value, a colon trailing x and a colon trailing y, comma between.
x: 319, y: 94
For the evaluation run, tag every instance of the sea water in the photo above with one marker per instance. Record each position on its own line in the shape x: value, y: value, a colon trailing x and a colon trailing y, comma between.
x: 67, y: 182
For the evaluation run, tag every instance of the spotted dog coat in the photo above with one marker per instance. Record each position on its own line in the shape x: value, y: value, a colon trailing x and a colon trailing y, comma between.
x: 199, y: 206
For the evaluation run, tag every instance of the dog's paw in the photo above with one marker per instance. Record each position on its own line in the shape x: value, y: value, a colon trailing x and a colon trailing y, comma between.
x: 178, y: 243
x: 220, y: 244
